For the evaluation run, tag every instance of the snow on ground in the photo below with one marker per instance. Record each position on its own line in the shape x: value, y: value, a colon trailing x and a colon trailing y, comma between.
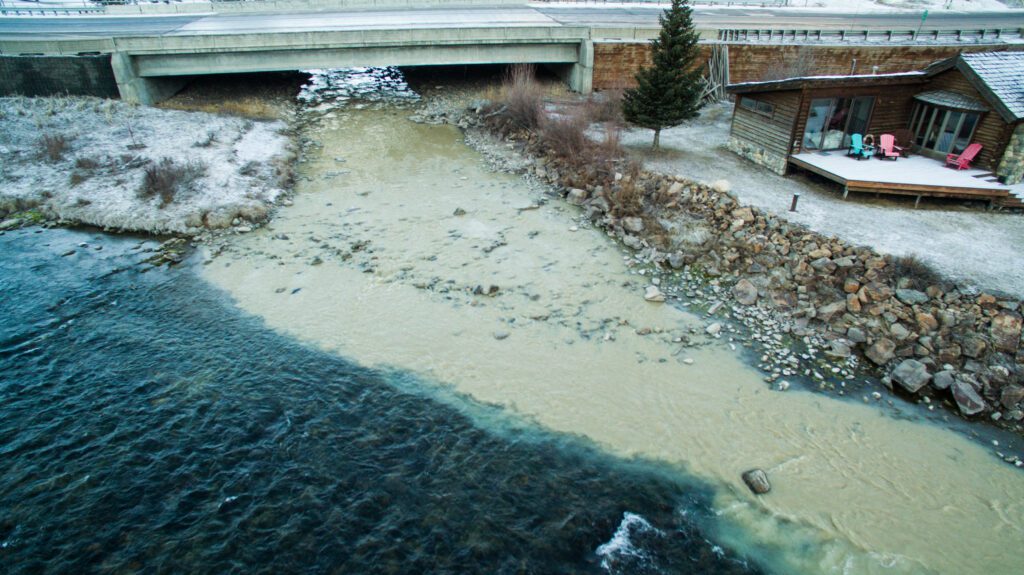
x: 852, y: 6
x: 831, y: 5
x: 965, y: 243
x: 98, y: 177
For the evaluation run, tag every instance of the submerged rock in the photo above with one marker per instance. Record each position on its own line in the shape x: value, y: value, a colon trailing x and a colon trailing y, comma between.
x: 757, y: 481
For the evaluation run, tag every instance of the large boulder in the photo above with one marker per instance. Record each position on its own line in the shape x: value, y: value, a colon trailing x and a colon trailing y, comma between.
x: 757, y: 481
x: 745, y: 292
x: 1006, y: 331
x: 881, y: 352
x: 911, y: 374
x: 826, y: 312
x: 633, y: 224
x: 943, y: 380
x: 967, y: 398
x: 911, y: 296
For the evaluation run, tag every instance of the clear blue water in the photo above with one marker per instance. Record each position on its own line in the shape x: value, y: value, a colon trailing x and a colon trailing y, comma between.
x: 146, y: 425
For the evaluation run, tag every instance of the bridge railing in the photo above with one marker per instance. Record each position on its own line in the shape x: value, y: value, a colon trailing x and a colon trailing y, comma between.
x: 791, y: 36
x: 50, y: 11
x: 761, y: 3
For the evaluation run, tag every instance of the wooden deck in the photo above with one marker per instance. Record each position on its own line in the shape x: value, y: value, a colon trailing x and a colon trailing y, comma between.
x: 916, y: 176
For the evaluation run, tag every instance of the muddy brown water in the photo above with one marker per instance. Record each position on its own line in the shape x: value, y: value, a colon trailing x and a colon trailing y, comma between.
x: 378, y: 267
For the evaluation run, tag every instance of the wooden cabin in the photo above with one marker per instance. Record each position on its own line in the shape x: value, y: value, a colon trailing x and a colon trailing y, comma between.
x: 969, y: 98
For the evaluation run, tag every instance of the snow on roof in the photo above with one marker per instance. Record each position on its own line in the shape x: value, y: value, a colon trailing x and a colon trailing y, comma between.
x: 1003, y: 74
x: 797, y: 79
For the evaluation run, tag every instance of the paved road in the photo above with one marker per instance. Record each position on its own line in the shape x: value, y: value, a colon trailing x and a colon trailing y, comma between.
x: 110, y: 26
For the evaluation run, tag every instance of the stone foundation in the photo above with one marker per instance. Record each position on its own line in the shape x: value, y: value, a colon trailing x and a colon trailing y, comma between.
x: 1011, y: 167
x: 758, y: 155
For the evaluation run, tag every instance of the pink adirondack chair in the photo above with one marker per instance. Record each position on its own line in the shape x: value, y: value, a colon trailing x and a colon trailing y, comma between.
x: 887, y: 147
x: 963, y: 160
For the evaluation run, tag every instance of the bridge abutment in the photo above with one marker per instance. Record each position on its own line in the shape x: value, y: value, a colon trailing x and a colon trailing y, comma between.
x: 138, y: 89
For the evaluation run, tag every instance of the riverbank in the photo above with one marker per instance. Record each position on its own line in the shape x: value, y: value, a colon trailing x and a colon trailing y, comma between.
x: 811, y: 306
x: 121, y: 167
x: 404, y: 250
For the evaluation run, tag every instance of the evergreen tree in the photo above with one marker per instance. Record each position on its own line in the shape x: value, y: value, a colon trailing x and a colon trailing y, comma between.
x: 669, y: 91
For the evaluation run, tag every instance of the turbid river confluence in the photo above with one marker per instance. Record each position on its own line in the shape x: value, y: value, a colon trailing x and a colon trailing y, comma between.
x: 333, y: 393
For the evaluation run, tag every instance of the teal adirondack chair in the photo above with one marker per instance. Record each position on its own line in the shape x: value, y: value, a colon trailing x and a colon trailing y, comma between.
x: 858, y: 149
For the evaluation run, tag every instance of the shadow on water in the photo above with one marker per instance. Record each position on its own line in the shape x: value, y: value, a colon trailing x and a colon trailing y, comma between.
x: 146, y: 425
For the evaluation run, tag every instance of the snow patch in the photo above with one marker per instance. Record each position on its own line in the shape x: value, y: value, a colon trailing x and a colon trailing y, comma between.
x: 109, y: 144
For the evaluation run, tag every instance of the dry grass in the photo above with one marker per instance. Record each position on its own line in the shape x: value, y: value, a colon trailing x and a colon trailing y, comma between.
x: 919, y: 274
x: 53, y: 146
x: 167, y: 178
x: 246, y: 107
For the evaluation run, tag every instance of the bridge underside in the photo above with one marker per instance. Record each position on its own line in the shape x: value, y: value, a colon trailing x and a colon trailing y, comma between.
x: 150, y: 78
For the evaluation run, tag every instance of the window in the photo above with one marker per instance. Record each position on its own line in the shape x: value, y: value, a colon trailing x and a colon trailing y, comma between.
x: 943, y: 130
x: 757, y: 106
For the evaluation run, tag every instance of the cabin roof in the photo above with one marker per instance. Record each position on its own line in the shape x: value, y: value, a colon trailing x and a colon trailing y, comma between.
x: 831, y: 81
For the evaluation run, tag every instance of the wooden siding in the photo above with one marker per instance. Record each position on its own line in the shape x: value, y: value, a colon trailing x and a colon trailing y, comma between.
x: 892, y: 109
x: 992, y: 132
x: 771, y: 133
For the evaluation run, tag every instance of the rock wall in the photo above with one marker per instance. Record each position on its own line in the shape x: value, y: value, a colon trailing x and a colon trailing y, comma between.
x: 759, y: 155
x: 1011, y: 167
x: 57, y: 75
x: 925, y: 336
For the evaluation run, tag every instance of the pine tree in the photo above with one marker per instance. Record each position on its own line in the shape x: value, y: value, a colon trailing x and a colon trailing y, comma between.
x: 669, y: 91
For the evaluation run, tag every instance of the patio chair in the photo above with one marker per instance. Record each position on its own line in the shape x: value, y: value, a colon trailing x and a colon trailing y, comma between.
x: 887, y: 147
x: 904, y: 140
x: 962, y: 161
x: 857, y: 148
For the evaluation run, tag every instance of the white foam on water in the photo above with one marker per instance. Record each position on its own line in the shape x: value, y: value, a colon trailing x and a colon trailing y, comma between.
x: 621, y: 545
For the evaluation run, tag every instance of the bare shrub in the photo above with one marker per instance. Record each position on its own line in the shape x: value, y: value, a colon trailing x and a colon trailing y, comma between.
x: 86, y: 163
x: 208, y: 141
x: 167, y: 178
x: 566, y: 137
x: 606, y: 107
x: 250, y: 169
x: 627, y: 195
x: 77, y: 177
x: 524, y: 97
x: 53, y: 146
x: 919, y: 274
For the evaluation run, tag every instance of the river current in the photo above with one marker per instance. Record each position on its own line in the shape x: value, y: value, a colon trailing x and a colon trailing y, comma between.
x: 147, y: 426
x: 332, y: 393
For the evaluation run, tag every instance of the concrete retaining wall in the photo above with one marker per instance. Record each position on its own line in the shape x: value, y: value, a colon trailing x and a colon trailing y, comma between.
x: 55, y: 75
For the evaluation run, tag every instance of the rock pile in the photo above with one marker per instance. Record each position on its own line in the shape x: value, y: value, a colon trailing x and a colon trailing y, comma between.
x: 930, y: 338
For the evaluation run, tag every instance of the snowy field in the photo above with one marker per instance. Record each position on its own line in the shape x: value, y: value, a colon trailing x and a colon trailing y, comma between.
x: 86, y: 160
x: 965, y: 243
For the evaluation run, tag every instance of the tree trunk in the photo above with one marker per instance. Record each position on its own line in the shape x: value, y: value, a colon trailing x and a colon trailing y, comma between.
x: 657, y: 139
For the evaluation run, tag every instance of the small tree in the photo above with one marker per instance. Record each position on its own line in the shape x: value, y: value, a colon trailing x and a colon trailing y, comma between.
x: 669, y: 91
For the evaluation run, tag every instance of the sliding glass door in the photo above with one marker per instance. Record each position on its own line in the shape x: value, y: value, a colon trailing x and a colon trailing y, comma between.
x: 831, y: 122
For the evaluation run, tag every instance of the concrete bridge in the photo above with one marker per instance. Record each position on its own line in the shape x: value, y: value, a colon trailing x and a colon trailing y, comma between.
x: 152, y: 56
